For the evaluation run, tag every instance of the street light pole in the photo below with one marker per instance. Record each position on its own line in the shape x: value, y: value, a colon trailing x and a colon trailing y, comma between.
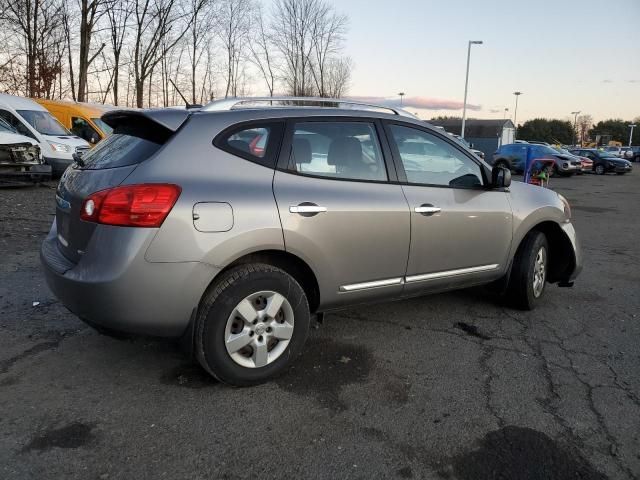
x: 466, y: 84
x: 632, y: 126
x: 401, y: 95
x: 515, y: 115
x: 575, y: 125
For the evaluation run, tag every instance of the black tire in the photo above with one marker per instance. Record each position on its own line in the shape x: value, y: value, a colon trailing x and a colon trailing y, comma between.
x: 520, y: 292
x: 620, y: 173
x: 599, y: 169
x: 503, y: 164
x: 219, y: 302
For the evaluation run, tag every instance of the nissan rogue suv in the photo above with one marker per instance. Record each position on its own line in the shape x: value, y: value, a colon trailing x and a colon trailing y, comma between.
x: 231, y: 225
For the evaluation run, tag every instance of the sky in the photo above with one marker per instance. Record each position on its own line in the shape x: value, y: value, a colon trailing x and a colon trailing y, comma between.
x: 564, y: 55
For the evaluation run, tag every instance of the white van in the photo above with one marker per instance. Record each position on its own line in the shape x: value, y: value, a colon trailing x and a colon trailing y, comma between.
x: 32, y: 120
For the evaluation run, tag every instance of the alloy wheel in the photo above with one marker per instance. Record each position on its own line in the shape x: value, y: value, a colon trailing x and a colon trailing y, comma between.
x: 539, y: 272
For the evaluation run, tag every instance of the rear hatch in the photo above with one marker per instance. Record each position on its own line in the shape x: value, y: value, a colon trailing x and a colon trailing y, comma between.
x: 137, y: 137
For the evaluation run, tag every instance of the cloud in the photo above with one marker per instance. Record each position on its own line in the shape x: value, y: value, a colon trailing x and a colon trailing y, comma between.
x: 418, y: 102
x: 634, y: 81
x: 607, y: 81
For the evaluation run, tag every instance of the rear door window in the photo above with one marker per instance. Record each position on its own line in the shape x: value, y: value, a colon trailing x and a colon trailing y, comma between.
x: 338, y: 149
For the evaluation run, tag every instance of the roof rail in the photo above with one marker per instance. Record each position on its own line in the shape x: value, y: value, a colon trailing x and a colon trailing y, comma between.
x: 295, y: 102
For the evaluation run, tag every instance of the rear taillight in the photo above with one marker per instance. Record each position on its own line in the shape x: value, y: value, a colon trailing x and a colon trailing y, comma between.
x: 145, y: 205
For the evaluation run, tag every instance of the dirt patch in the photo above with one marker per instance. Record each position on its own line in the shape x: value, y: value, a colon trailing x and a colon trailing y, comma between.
x: 325, y: 367
x: 523, y: 453
x: 74, y: 435
x: 471, y: 330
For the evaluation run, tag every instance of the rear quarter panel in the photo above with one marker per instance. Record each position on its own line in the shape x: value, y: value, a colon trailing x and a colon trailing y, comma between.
x: 208, y: 174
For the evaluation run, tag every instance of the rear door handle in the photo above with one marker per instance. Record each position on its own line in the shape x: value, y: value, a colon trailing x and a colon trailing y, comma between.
x: 307, y: 209
x: 427, y: 209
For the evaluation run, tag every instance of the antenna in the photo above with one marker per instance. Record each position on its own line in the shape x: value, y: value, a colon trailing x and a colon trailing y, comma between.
x: 186, y: 102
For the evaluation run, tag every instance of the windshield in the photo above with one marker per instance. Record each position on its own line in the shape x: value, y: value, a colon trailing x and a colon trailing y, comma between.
x: 43, y: 122
x: 103, y: 126
x: 5, y: 127
x: 547, y: 150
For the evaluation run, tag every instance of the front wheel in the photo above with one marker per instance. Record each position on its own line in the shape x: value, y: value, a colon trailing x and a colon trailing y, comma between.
x: 529, y: 272
x: 599, y: 169
x: 251, y: 324
x: 620, y: 173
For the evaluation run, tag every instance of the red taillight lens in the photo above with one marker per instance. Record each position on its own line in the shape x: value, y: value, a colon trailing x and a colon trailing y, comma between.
x: 145, y: 205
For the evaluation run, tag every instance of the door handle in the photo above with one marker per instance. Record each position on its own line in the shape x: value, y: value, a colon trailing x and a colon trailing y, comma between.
x: 307, y: 209
x: 427, y: 209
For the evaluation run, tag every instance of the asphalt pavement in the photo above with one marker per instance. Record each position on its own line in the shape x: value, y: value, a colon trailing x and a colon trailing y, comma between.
x: 453, y: 386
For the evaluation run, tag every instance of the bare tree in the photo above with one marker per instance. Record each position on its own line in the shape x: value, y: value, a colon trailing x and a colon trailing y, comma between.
x: 203, y: 14
x: 584, y: 124
x: 308, y: 34
x: 234, y: 24
x: 157, y: 23
x: 262, y: 51
x: 90, y: 13
x: 337, y: 76
x: 34, y: 29
x: 118, y: 15
x: 329, y: 29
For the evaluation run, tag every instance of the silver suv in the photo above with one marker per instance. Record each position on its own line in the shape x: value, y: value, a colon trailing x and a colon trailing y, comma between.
x: 231, y: 225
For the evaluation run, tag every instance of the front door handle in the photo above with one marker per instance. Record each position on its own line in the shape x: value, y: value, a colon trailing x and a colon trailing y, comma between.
x: 307, y: 209
x: 427, y: 209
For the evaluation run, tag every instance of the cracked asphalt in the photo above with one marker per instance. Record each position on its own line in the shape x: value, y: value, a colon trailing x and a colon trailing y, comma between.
x: 452, y: 386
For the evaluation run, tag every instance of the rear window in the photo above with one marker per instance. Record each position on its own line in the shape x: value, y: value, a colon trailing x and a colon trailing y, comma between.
x: 119, y: 150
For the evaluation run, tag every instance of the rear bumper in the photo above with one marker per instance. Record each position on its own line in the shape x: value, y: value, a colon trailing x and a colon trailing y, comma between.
x: 25, y: 172
x: 113, y: 286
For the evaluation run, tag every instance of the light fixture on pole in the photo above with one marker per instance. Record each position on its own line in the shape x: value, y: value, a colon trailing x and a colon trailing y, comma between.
x: 515, y: 115
x: 632, y: 126
x: 504, y: 115
x: 575, y: 125
x: 466, y: 84
x: 401, y: 95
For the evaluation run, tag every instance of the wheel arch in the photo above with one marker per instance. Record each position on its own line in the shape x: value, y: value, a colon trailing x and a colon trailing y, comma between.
x: 290, y: 263
x: 561, y: 255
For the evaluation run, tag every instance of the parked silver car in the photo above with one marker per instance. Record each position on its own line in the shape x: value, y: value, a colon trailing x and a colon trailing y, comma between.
x: 232, y: 224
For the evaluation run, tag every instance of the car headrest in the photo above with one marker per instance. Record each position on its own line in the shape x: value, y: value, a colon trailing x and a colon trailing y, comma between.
x: 301, y: 150
x: 344, y: 152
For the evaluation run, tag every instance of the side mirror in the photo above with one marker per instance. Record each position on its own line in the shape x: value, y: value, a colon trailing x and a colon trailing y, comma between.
x: 94, y: 139
x: 500, y: 177
x: 470, y: 145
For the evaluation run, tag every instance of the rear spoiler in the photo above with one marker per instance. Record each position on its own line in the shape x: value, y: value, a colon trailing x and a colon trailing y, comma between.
x: 167, y: 118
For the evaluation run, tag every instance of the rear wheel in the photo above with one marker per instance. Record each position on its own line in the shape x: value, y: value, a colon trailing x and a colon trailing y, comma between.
x: 620, y: 173
x: 529, y: 272
x: 599, y: 169
x: 251, y: 324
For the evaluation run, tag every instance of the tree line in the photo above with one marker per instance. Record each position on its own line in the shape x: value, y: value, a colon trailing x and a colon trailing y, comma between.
x: 566, y: 132
x: 153, y: 52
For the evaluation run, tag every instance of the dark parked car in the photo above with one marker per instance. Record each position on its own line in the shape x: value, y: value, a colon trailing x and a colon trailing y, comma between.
x: 636, y: 153
x: 604, y: 162
x: 513, y: 156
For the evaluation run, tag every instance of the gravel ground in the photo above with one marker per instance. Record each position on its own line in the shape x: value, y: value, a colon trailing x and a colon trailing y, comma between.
x: 450, y: 386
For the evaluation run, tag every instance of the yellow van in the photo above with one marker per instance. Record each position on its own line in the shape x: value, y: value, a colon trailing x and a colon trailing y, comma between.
x: 83, y: 119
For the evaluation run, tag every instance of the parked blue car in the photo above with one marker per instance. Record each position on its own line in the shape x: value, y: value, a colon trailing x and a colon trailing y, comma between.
x: 514, y: 155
